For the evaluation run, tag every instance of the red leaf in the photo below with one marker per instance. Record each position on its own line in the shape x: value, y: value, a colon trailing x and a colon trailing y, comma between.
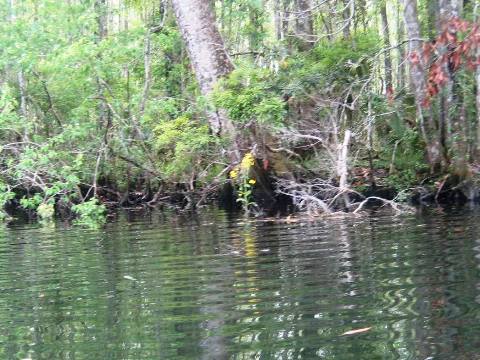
x: 414, y: 59
x: 432, y: 90
x: 451, y: 38
x: 390, y: 94
x: 425, y: 103
x: 464, y: 25
x: 455, y: 60
x: 265, y: 164
x: 471, y: 65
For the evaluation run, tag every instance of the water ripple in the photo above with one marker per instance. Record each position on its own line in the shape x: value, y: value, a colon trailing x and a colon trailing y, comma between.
x: 214, y: 287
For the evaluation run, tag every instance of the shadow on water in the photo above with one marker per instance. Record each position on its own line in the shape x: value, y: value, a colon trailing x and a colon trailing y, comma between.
x: 214, y: 286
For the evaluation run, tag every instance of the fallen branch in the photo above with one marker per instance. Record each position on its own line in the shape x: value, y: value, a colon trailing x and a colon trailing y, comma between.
x: 395, y: 206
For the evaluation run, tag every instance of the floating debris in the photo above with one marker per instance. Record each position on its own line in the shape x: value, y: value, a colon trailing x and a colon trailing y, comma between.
x: 356, y: 331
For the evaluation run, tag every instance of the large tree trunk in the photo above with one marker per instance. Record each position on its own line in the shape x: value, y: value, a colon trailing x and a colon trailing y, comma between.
x: 304, y: 24
x: 417, y: 75
x: 208, y: 56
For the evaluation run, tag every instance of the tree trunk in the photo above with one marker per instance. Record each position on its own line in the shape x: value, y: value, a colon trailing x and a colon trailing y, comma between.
x: 347, y: 14
x: 304, y: 23
x: 286, y: 19
x: 386, y: 40
x: 101, y: 33
x: 256, y: 26
x: 418, y: 82
x: 20, y: 77
x: 104, y: 124
x: 433, y: 16
x: 101, y: 12
x: 454, y: 134
x: 360, y: 14
x: 477, y: 83
x: 401, y: 73
x: 277, y: 13
x: 208, y: 57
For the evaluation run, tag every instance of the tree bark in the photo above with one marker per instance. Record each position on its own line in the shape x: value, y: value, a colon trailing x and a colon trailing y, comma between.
x: 208, y: 57
x: 418, y: 82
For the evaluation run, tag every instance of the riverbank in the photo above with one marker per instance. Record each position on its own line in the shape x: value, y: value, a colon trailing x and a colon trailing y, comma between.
x: 286, y: 199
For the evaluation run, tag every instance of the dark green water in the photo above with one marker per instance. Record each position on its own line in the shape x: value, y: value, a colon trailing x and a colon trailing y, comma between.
x: 210, y: 287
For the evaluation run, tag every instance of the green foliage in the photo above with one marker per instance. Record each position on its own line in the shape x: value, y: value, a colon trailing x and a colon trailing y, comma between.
x: 32, y: 202
x: 5, y: 196
x: 409, y: 162
x: 245, y: 195
x: 46, y: 211
x: 248, y: 95
x: 107, y: 114
x: 185, y: 146
x: 331, y: 65
x: 91, y: 213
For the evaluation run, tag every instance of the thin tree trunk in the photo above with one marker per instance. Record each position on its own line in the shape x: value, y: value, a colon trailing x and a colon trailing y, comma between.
x: 255, y: 28
x: 23, y: 111
x: 327, y: 24
x: 147, y: 62
x: 285, y: 17
x: 23, y: 94
x: 360, y: 14
x: 347, y: 14
x: 342, y: 166
x: 101, y: 12
x: 401, y: 73
x: 454, y: 134
x: 417, y: 76
x: 208, y: 57
x: 386, y: 40
x: 103, y: 111
x: 277, y: 16
x: 433, y: 12
x: 477, y: 82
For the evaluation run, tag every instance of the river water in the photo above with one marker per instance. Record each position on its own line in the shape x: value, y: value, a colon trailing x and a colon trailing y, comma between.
x: 213, y: 286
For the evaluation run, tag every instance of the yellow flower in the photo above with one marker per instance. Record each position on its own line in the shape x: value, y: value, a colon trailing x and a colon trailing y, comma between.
x: 248, y: 161
x: 252, y: 181
x: 233, y: 174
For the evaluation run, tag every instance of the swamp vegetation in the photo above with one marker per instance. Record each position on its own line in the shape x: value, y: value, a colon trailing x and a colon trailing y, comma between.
x: 270, y: 107
x: 318, y: 104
